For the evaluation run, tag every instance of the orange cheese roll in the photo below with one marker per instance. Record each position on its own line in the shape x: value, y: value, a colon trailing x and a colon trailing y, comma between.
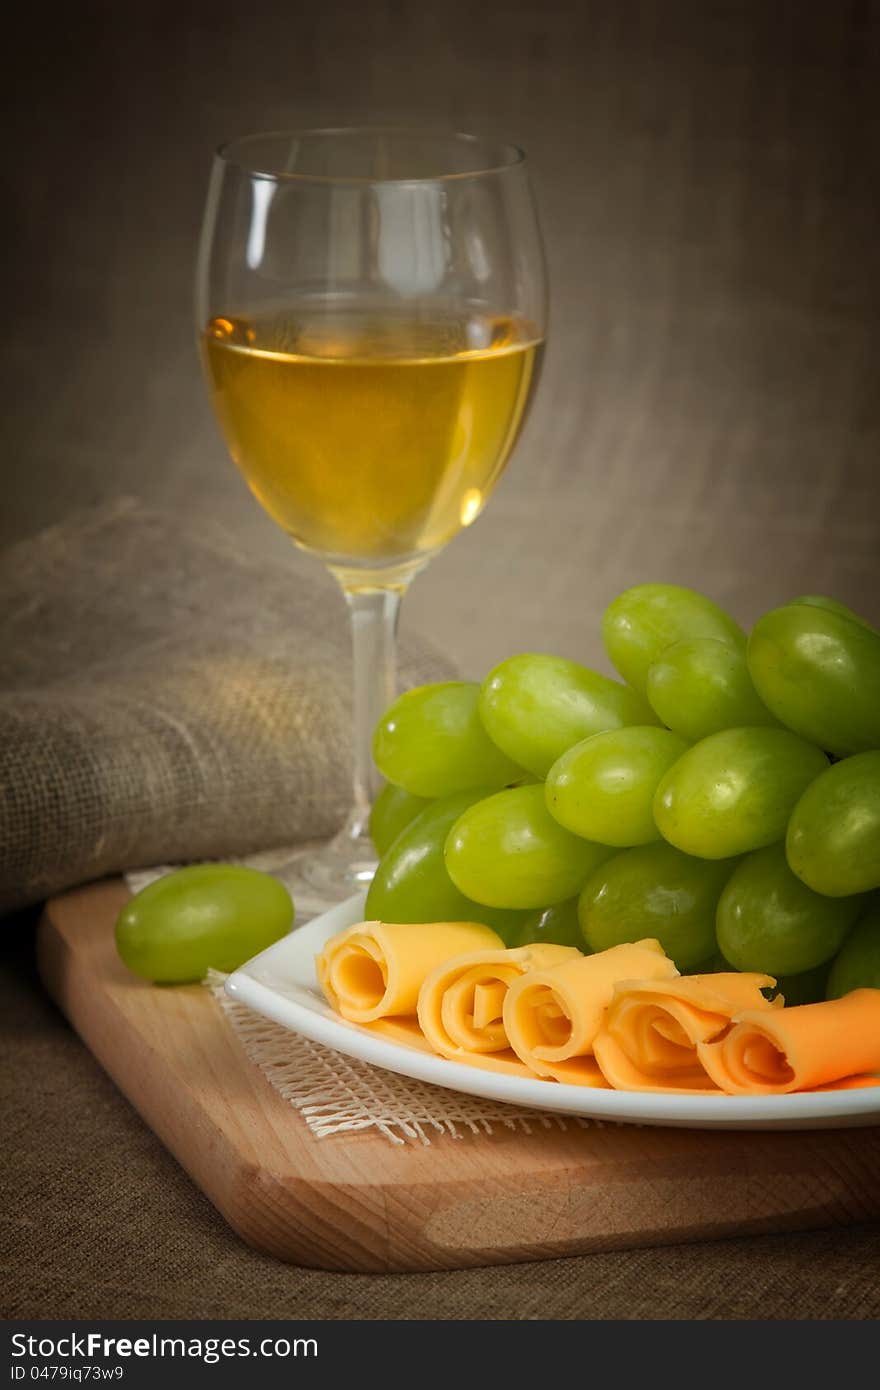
x: 799, y: 1049
x: 461, y: 1003
x: 375, y: 969
x: 652, y: 1028
x: 552, y: 1016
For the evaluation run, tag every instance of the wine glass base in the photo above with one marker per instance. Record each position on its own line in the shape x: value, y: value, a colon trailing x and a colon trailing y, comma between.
x: 322, y: 873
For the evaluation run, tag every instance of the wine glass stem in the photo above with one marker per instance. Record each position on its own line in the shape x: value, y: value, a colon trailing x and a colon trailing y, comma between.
x: 374, y: 614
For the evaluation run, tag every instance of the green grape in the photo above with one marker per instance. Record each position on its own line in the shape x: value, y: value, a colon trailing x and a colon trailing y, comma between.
x: 558, y: 924
x: 431, y: 742
x: 809, y: 987
x: 603, y: 788
x: 411, y: 883
x: 819, y: 673
x: 534, y: 707
x: 643, y: 621
x: 833, y: 839
x: 833, y: 605
x: 768, y: 920
x: 701, y: 686
x: 710, y: 966
x: 734, y: 791
x: 654, y: 891
x: 207, y: 916
x: 508, y: 851
x: 857, y: 964
x: 392, y: 812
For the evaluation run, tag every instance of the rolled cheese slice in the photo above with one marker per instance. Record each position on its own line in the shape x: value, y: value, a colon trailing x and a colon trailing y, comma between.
x: 552, y: 1016
x: 375, y: 970
x: 461, y: 1003
x: 649, y: 1038
x: 799, y: 1049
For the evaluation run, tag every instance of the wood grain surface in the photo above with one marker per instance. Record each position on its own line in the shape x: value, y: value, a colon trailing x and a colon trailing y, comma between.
x: 356, y: 1202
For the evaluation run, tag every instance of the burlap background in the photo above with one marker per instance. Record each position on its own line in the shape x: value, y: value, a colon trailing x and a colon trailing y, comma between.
x: 165, y: 697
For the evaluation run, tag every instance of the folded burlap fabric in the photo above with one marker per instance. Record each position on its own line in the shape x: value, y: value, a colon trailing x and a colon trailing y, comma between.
x: 165, y: 697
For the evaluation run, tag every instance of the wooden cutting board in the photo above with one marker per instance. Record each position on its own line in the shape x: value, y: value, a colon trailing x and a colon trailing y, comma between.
x: 358, y: 1202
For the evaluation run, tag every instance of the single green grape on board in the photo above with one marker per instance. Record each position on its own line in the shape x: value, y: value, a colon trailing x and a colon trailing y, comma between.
x: 207, y: 916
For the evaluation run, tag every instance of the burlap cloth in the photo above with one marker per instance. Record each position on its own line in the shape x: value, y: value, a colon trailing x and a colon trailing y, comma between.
x: 165, y: 697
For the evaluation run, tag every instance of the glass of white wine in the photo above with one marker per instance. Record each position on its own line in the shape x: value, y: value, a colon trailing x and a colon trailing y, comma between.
x: 371, y: 310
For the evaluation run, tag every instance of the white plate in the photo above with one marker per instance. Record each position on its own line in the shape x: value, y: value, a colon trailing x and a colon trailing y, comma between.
x: 280, y: 983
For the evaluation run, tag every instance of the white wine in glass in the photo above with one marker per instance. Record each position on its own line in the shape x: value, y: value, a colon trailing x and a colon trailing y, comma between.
x: 371, y: 311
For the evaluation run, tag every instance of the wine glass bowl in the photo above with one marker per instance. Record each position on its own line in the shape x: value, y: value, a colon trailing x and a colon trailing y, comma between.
x: 371, y: 315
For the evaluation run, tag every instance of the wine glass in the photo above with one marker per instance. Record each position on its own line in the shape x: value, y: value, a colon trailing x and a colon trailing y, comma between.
x: 371, y: 310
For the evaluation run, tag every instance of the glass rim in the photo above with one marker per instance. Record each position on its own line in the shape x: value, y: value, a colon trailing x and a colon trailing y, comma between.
x: 229, y: 151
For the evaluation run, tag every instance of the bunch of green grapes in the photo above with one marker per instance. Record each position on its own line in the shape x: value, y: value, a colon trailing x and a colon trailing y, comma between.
x: 723, y: 796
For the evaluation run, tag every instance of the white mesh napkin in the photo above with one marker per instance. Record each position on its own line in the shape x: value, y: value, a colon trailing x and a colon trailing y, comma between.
x: 336, y: 1094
